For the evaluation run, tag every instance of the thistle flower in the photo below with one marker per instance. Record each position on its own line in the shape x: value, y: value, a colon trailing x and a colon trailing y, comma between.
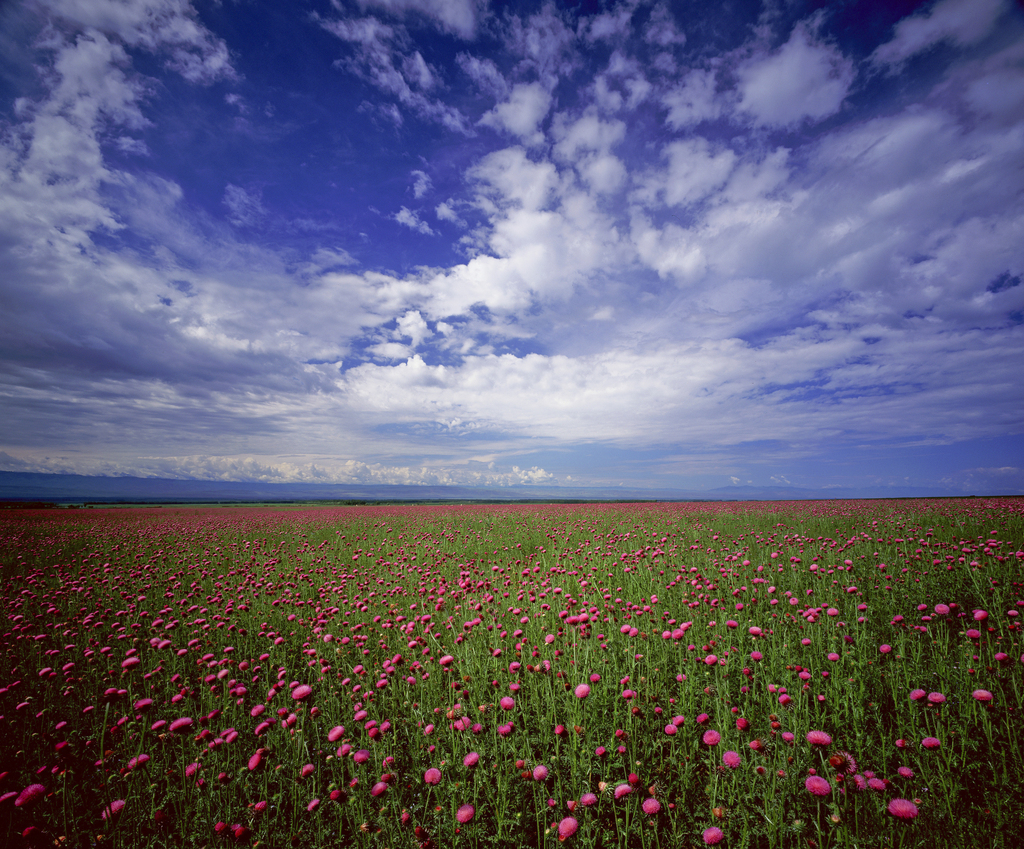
x: 713, y: 835
x: 465, y: 813
x: 567, y: 828
x: 902, y: 809
x: 817, y: 785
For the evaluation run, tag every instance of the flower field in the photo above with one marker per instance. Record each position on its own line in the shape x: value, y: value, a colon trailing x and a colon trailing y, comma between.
x: 803, y: 674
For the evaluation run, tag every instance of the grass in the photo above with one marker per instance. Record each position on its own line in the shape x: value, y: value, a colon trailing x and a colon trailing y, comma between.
x: 410, y: 625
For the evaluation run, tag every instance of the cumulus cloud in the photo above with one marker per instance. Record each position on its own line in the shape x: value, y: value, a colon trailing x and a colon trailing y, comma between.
x: 805, y: 79
x: 522, y: 113
x: 643, y: 256
x: 408, y: 218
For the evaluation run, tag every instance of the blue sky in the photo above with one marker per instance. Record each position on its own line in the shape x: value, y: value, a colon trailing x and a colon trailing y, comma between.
x: 453, y: 241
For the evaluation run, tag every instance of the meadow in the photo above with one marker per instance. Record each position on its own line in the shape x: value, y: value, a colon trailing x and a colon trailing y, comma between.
x: 801, y: 674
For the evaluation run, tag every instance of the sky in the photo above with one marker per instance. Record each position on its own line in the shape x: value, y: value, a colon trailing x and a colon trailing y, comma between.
x: 649, y: 244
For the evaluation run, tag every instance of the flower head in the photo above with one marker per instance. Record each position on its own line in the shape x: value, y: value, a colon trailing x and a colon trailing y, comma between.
x: 817, y: 785
x: 567, y: 828
x: 713, y: 835
x: 902, y: 809
x: 465, y: 813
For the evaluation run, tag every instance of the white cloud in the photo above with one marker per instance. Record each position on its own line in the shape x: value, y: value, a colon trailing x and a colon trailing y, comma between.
x: 694, y: 171
x: 410, y: 219
x: 693, y: 101
x: 381, y: 56
x: 806, y: 79
x: 460, y: 17
x: 413, y: 325
x: 962, y: 22
x: 485, y: 74
x: 522, y: 113
x: 245, y: 208
x: 421, y: 184
x: 165, y: 26
x: 661, y: 28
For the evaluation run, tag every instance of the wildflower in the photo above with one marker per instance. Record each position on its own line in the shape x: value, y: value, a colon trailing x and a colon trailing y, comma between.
x: 540, y: 772
x: 622, y: 790
x: 936, y: 698
x: 982, y: 696
x: 819, y: 738
x: 582, y: 691
x: 302, y: 692
x: 336, y: 733
x: 432, y: 776
x: 465, y: 813
x: 711, y: 737
x: 713, y: 835
x: 29, y: 795
x: 567, y: 828
x: 817, y: 785
x: 917, y: 695
x: 651, y: 806
x: 471, y: 760
x: 113, y: 809
x: 903, y: 809
x: 588, y: 800
x: 905, y: 772
x: 731, y: 759
x: 183, y: 724
x: 507, y: 703
x: 843, y: 762
x: 312, y: 806
x: 931, y: 742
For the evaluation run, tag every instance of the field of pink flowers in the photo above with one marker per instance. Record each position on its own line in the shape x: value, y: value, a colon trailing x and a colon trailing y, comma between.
x: 655, y: 675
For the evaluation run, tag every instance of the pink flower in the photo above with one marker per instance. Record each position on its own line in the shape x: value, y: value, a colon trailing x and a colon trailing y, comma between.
x: 917, y: 695
x: 818, y: 738
x: 432, y: 776
x: 302, y: 692
x: 903, y: 809
x: 183, y: 724
x: 312, y: 806
x: 567, y: 828
x: 29, y: 795
x: 113, y: 809
x: 588, y: 800
x: 817, y: 785
x: 885, y: 648
x: 731, y: 759
x: 540, y: 772
x: 378, y: 788
x: 713, y: 835
x: 507, y: 703
x: 905, y: 772
x: 361, y: 757
x: 465, y: 813
x: 931, y: 742
x: 982, y: 695
x: 711, y: 737
x: 936, y: 698
x: 622, y: 790
x: 471, y: 760
x: 307, y: 770
x: 336, y: 733
x: 651, y: 806
x: 582, y: 691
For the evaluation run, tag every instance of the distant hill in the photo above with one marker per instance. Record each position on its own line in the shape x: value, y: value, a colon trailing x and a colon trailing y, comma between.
x: 78, y: 489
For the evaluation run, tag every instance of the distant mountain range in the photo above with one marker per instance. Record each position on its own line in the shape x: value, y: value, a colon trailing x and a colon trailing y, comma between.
x: 78, y: 489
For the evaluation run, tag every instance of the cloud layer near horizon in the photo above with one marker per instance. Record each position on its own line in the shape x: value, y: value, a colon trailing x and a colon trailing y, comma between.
x: 430, y: 242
